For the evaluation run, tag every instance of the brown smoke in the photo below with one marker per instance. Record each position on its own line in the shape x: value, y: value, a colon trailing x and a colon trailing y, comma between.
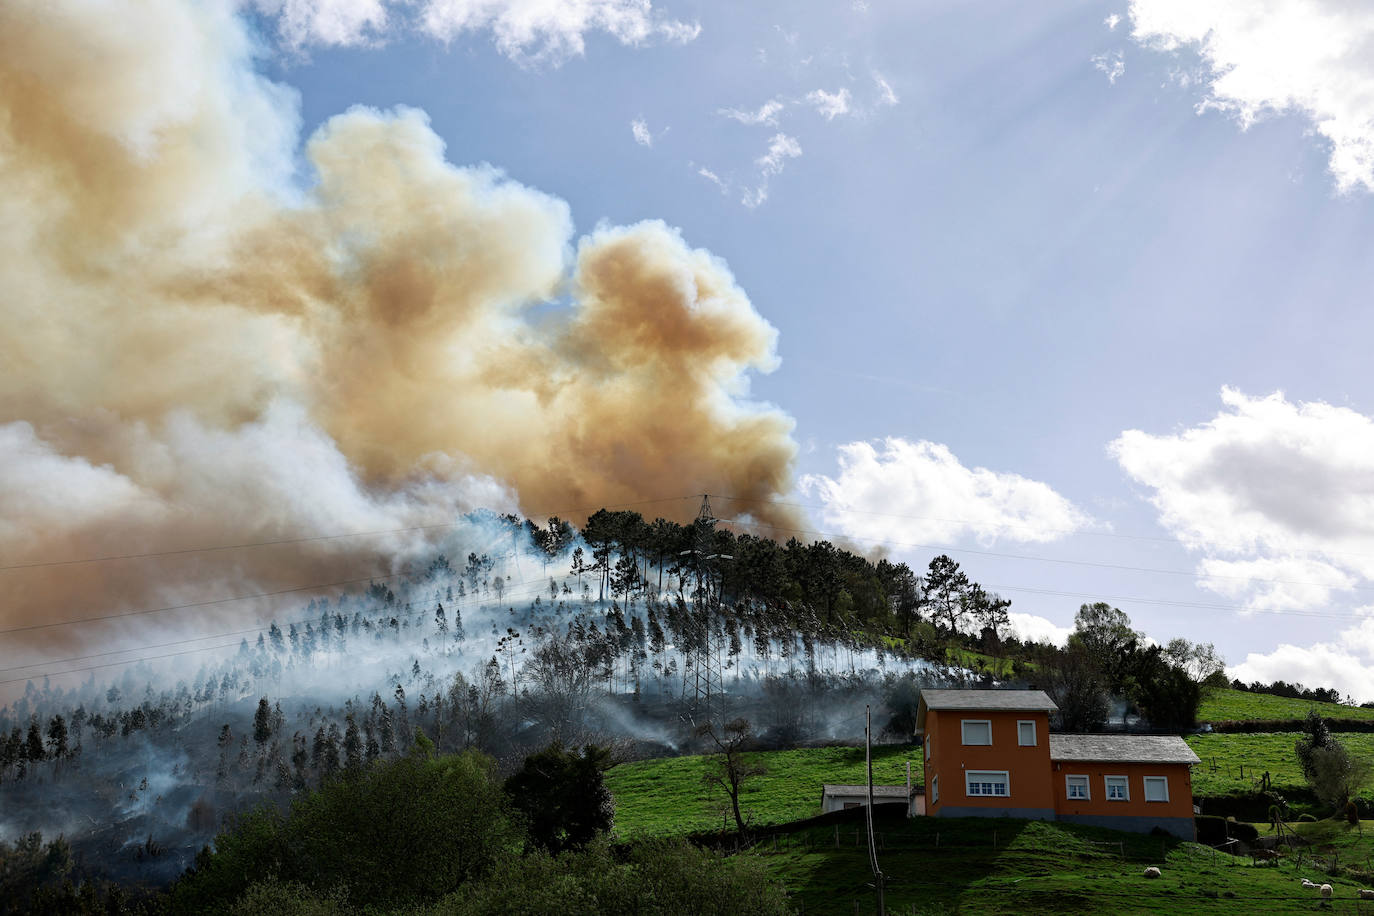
x: 197, y: 351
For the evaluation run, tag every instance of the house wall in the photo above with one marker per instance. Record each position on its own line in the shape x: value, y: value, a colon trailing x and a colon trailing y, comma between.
x: 1031, y: 793
x: 1174, y: 815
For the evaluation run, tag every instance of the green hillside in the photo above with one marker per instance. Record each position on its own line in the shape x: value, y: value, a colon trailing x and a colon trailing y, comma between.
x: 1227, y: 704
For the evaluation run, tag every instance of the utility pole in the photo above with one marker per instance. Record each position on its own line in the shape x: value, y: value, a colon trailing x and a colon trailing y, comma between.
x: 872, y: 846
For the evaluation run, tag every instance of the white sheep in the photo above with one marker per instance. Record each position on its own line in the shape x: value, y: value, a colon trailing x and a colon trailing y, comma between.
x: 1325, y: 891
x: 1152, y: 872
x: 1308, y: 884
x: 1366, y: 894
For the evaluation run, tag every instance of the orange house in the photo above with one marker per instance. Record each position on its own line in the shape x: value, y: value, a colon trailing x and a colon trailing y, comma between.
x: 989, y: 753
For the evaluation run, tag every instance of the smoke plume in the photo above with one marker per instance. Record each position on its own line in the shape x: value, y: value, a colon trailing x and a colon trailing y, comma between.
x: 214, y: 335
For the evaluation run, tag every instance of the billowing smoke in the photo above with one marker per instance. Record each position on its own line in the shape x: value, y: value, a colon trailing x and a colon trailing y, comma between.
x: 210, y: 339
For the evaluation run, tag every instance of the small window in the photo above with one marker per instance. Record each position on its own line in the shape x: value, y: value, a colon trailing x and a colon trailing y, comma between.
x: 1156, y: 788
x: 935, y: 790
x: 927, y: 748
x: 977, y: 731
x: 1117, y: 789
x: 1025, y: 732
x: 984, y: 784
x: 848, y: 805
x: 1076, y: 788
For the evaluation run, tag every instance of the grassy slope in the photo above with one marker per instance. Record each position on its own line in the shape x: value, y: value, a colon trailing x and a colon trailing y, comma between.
x: 668, y: 796
x: 1039, y: 868
x: 1225, y: 704
x: 1257, y: 753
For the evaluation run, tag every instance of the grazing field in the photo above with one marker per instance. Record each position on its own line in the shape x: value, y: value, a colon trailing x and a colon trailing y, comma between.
x: 1241, y: 759
x: 669, y: 796
x: 1229, y: 705
x: 984, y: 866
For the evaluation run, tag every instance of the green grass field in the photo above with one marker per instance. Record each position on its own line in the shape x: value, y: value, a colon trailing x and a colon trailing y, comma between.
x: 1255, y: 754
x: 1038, y: 867
x: 1226, y: 704
x: 669, y: 796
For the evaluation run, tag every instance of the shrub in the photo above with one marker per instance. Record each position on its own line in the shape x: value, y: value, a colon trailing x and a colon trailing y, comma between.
x: 1352, y: 814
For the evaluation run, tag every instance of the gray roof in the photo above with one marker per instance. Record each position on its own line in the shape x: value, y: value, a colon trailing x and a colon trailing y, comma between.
x: 1122, y: 748
x: 878, y: 791
x: 1027, y: 700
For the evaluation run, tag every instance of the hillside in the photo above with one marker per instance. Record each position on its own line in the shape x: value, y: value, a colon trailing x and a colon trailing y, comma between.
x: 1225, y: 704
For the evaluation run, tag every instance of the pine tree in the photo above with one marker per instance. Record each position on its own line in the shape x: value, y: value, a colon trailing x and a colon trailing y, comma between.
x: 57, y: 738
x: 353, y: 747
x: 262, y: 722
x: 34, y: 745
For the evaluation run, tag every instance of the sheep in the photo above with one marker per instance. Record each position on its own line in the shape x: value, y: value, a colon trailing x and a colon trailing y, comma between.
x: 1325, y: 891
x: 1152, y: 872
x: 1308, y: 884
x: 1366, y: 894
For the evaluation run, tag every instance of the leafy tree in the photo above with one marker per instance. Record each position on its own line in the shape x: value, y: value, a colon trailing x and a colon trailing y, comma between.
x: 1316, y: 735
x: 1106, y: 636
x: 33, y: 745
x: 57, y: 738
x: 1074, y: 682
x: 562, y: 795
x: 1337, y: 775
x: 945, y: 587
x: 1164, y: 693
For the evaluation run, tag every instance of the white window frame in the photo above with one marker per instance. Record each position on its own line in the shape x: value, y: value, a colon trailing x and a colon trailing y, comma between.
x: 935, y: 789
x: 1087, y: 784
x: 1033, y: 737
x: 1162, y: 780
x: 1005, y: 781
x: 1107, y: 788
x: 963, y: 732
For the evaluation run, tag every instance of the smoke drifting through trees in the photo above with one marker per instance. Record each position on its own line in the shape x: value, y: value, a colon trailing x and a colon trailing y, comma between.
x: 203, y: 347
x: 504, y: 648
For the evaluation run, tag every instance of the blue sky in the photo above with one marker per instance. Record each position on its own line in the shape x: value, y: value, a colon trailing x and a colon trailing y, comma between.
x: 1025, y: 240
x: 1075, y: 291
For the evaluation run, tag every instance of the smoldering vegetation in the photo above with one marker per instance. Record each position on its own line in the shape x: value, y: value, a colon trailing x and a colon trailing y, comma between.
x: 629, y: 634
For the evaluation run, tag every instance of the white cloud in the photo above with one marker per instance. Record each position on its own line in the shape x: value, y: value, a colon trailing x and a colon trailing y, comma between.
x: 641, y: 132
x: 767, y: 113
x: 1113, y: 64
x: 829, y: 104
x: 919, y: 492
x: 1111, y: 22
x: 886, y: 95
x: 712, y: 177
x: 1269, y: 489
x: 327, y: 22
x: 1312, y: 57
x: 1034, y: 628
x: 780, y: 149
x: 529, y: 31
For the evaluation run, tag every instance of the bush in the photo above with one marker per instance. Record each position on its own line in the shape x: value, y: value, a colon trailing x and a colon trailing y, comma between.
x: 408, y: 830
x: 1352, y: 814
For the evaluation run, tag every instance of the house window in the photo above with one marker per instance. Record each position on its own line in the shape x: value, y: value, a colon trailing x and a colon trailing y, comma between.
x: 1025, y: 732
x: 977, y: 731
x: 1076, y: 788
x: 983, y: 783
x: 927, y: 748
x: 1156, y: 788
x: 935, y: 790
x: 1117, y: 789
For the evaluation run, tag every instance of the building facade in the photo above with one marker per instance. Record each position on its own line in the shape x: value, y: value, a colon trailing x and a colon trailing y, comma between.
x: 989, y: 753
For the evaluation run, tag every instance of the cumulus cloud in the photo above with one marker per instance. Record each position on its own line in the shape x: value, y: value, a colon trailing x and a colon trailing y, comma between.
x: 1034, y: 628
x: 1311, y: 57
x: 767, y: 113
x: 201, y: 350
x: 919, y: 492
x: 525, y: 30
x: 1269, y: 489
x: 641, y: 132
x: 830, y: 104
x: 1345, y: 662
x: 1113, y: 64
